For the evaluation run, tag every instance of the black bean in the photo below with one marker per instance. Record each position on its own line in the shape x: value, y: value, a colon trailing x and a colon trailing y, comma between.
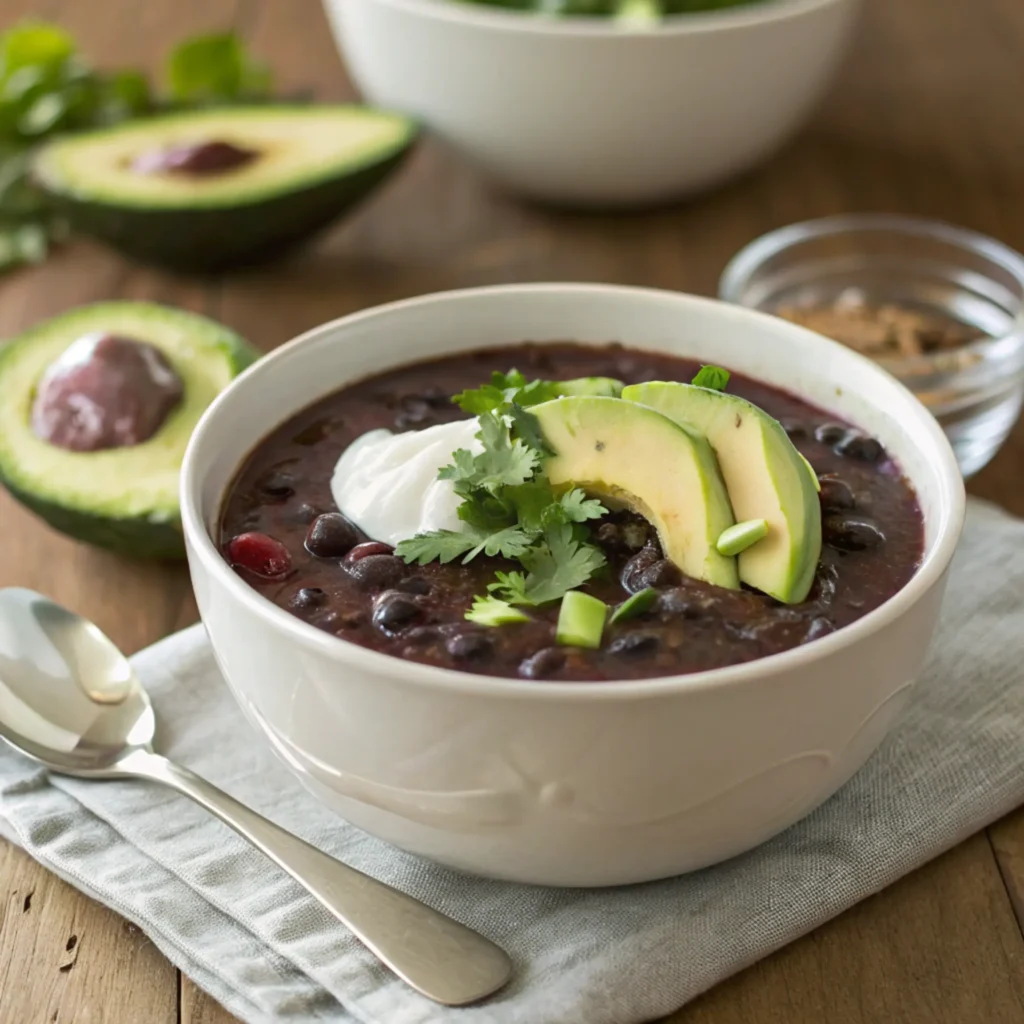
x: 794, y: 428
x: 414, y: 585
x: 313, y: 434
x: 830, y: 433
x: 635, y: 567
x: 307, y: 599
x: 423, y: 635
x: 276, y: 484
x: 367, y: 548
x: 251, y: 521
x: 377, y: 572
x: 835, y: 493
x: 351, y: 617
x: 394, y: 611
x: 819, y: 627
x: 437, y: 397
x: 635, y: 643
x: 329, y: 621
x: 546, y: 662
x: 331, y: 536
x: 305, y: 513
x: 609, y: 534
x: 849, y: 534
x: 469, y: 646
x: 864, y: 501
x: 662, y: 573
x: 684, y: 603
x: 859, y: 446
x: 826, y: 584
x: 415, y: 413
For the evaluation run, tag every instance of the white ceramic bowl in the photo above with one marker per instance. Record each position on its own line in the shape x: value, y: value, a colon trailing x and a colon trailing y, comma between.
x: 579, y: 111
x: 568, y: 783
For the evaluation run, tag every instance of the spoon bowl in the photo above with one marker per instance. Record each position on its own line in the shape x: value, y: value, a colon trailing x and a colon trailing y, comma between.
x: 68, y: 697
x: 70, y: 700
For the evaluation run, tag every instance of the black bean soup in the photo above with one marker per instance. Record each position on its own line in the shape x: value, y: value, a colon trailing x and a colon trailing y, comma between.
x: 333, y: 577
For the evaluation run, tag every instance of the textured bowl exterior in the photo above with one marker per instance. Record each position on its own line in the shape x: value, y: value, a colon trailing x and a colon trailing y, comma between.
x: 576, y: 112
x: 568, y: 784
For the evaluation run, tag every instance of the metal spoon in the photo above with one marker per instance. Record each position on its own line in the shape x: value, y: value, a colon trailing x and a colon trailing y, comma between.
x: 70, y: 700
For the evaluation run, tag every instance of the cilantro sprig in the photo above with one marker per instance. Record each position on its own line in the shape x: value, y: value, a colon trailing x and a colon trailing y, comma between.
x: 508, y: 507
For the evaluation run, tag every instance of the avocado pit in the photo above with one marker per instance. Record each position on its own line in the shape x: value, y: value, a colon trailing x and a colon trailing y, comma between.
x: 105, y: 391
x: 212, y: 156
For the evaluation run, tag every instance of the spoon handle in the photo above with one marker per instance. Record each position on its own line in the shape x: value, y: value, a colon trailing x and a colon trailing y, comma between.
x: 442, y: 959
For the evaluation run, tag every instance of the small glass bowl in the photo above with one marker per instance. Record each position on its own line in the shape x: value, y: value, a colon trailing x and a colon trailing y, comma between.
x: 952, y: 274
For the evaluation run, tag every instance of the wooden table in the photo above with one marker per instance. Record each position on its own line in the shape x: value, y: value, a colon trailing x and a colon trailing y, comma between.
x: 926, y: 119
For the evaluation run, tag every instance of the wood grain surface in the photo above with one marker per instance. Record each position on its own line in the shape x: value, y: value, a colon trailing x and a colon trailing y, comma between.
x: 926, y: 118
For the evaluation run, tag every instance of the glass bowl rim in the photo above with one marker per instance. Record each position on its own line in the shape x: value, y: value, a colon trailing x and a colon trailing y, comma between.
x: 752, y: 257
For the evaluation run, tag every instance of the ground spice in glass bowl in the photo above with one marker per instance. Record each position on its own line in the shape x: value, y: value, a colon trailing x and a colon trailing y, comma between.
x: 941, y: 308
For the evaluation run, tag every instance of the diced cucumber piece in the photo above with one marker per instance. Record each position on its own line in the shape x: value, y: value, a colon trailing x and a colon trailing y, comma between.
x: 634, y: 605
x: 580, y: 620
x: 742, y: 536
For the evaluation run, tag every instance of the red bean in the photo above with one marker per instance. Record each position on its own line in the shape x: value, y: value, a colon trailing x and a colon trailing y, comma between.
x: 260, y: 555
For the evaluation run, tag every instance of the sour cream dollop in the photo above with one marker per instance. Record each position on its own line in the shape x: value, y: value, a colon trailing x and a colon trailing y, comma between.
x: 387, y: 483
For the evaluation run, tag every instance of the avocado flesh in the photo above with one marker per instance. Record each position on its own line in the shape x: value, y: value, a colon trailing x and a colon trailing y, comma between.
x: 126, y: 498
x: 766, y: 478
x: 582, y: 386
x: 636, y: 458
x: 313, y: 164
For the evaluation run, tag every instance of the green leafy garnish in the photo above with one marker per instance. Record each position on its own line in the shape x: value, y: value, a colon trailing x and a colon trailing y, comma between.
x: 215, y: 68
x: 490, y: 611
x: 46, y: 87
x: 508, y: 507
x: 558, y: 563
x: 634, y: 605
x: 714, y: 378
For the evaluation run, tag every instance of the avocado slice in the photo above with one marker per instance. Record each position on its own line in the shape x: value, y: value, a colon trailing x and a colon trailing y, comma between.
x: 634, y: 457
x: 122, y: 498
x: 766, y: 478
x: 223, y: 187
x: 582, y: 386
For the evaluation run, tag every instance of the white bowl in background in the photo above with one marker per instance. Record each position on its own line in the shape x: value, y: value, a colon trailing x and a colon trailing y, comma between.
x: 578, y: 784
x: 582, y: 112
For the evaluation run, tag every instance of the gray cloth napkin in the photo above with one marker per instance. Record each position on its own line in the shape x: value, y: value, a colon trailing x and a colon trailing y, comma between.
x: 251, y: 937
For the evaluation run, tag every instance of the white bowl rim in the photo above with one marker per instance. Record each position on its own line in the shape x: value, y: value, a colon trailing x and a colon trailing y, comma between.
x: 536, y: 23
x: 949, y: 518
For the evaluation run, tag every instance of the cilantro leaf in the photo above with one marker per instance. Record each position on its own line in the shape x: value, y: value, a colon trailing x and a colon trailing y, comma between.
x: 490, y: 611
x: 213, y: 68
x: 447, y: 545
x: 512, y: 542
x: 462, y: 468
x: 578, y: 508
x: 714, y: 378
x: 537, y: 391
x: 512, y: 585
x: 559, y: 564
x: 526, y: 427
x: 437, y: 546
x: 505, y: 390
x: 530, y: 501
x: 480, y: 400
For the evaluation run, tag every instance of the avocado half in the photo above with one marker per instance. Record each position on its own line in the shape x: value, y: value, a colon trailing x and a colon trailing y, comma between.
x: 125, y: 499
x: 310, y: 164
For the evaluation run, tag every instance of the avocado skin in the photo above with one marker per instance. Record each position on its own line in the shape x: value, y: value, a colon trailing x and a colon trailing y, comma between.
x: 212, y: 239
x: 141, y: 537
x: 135, y: 538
